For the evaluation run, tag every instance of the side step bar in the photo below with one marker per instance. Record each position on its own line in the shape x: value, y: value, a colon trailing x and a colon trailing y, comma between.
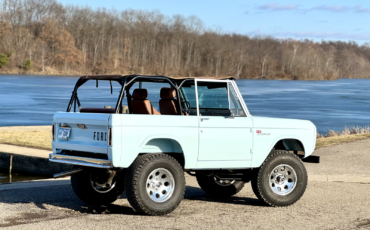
x: 83, y: 161
x: 68, y: 173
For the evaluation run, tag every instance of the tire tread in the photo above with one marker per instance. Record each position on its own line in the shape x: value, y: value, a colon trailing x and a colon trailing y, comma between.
x: 132, y: 183
x: 256, y: 181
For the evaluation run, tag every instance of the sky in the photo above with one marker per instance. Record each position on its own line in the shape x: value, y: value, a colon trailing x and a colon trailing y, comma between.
x: 314, y: 20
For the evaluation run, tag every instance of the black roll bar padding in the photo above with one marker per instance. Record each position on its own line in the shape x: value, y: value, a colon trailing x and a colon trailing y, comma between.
x: 82, y: 81
x: 74, y: 105
x: 79, y: 83
x: 120, y: 110
x: 121, y: 95
x: 179, y: 107
x: 159, y: 77
x: 78, y: 103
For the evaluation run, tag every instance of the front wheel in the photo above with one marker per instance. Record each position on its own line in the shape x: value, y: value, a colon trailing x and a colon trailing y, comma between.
x: 281, y: 180
x: 155, y: 184
x: 98, y: 187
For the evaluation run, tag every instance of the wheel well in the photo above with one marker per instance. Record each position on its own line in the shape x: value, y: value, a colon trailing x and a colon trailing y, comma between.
x: 290, y: 145
x: 166, y: 146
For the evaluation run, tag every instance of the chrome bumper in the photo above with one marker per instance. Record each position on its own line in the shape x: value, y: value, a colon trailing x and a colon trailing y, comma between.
x: 88, y: 162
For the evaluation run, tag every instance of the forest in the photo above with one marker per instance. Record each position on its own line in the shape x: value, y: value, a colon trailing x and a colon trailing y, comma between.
x: 46, y: 37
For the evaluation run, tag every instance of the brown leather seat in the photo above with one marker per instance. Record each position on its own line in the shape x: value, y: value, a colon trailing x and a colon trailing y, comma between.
x: 167, y: 104
x: 141, y: 105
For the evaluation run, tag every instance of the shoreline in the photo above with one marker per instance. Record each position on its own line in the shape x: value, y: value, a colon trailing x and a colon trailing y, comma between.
x: 37, y: 137
x: 60, y: 74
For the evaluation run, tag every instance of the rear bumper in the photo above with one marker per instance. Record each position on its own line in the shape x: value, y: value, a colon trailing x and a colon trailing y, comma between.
x: 88, y: 162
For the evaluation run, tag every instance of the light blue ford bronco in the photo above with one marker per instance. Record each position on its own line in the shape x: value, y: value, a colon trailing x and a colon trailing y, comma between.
x: 146, y: 131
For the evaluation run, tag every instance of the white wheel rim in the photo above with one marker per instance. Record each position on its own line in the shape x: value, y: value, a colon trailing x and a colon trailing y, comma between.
x: 160, y: 185
x: 282, y: 179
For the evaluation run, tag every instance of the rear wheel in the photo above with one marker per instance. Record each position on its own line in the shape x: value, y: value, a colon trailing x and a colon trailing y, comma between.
x: 155, y: 184
x: 281, y: 180
x: 219, y: 188
x: 98, y: 187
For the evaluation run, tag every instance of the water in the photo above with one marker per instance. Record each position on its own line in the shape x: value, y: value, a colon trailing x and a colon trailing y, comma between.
x: 15, y: 177
x: 328, y: 104
x: 32, y: 100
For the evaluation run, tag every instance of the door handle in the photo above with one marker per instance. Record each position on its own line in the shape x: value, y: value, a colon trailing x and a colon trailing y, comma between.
x: 204, y: 119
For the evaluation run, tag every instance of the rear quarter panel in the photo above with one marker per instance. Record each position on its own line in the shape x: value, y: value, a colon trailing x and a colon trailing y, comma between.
x: 131, y: 132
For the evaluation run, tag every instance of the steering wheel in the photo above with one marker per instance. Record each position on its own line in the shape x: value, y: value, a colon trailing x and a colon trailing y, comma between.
x: 187, y: 104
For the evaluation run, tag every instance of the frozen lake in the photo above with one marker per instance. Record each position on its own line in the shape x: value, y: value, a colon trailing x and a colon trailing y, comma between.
x: 32, y: 100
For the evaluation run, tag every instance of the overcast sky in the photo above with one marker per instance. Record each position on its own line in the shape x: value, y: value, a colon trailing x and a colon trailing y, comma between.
x: 316, y: 19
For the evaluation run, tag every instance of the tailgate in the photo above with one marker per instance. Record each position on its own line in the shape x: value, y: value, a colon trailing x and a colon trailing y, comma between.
x: 88, y: 132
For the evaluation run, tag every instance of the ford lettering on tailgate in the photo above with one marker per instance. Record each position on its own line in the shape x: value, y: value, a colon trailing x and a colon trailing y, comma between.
x: 100, y: 136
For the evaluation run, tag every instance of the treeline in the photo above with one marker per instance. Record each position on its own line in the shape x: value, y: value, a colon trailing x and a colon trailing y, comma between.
x: 44, y: 35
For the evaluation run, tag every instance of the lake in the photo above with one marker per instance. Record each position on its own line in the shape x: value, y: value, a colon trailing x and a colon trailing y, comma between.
x: 5, y: 177
x: 32, y: 100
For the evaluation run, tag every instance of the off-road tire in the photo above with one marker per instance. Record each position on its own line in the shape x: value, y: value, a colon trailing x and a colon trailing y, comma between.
x: 84, y: 190
x: 136, y: 184
x: 209, y: 185
x: 261, y: 185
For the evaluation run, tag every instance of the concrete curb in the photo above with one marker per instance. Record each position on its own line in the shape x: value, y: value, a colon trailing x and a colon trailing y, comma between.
x: 31, y: 164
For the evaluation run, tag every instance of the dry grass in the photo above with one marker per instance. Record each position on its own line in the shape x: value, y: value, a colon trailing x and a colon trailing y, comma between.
x: 42, y: 139
x: 354, y: 130
x: 348, y: 134
x: 34, y: 139
x: 334, y: 140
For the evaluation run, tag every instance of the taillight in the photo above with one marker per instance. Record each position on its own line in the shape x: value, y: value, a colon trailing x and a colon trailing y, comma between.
x: 53, y: 132
x: 110, y: 137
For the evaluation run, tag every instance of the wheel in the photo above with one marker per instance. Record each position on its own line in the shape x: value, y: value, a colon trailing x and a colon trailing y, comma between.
x: 94, y: 187
x: 281, y: 180
x: 155, y: 184
x: 219, y: 188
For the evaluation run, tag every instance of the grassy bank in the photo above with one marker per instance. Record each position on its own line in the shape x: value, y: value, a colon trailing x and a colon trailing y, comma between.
x: 334, y: 140
x: 34, y: 139
x: 348, y: 134
x: 41, y: 138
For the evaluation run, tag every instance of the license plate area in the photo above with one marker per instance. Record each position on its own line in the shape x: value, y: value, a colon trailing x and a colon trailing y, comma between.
x: 64, y: 133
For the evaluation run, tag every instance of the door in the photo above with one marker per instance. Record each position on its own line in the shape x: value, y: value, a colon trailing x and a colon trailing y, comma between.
x: 224, y: 127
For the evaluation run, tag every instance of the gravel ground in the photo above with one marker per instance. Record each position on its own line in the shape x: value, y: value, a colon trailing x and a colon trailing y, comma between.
x: 325, y: 205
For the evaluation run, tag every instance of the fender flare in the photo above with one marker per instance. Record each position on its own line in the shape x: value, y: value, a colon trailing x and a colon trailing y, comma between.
x: 165, y: 137
x: 258, y: 161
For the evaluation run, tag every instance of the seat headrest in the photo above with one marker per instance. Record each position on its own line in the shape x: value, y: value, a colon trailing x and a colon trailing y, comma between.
x: 139, y: 94
x: 167, y: 93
